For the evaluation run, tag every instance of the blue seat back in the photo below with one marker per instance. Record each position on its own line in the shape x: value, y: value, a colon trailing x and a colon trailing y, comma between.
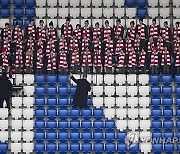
x: 157, y: 148
x: 177, y: 79
x: 51, y: 136
x: 39, y: 147
x: 86, y: 147
x: 4, y: 12
x: 141, y: 13
x: 155, y: 90
x: 40, y: 91
x: 30, y: 12
x: 63, y: 113
x: 51, y: 79
x: 51, y: 113
x: 40, y: 79
x: 39, y: 102
x: 166, y: 79
x: 130, y: 3
x: 63, y: 91
x: 154, y: 79
x: 122, y: 147
x: 51, y: 91
x: 51, y: 102
x: 51, y: 148
x: 39, y: 136
x: 86, y: 136
x: 98, y: 147
x: 75, y: 137
x: 167, y: 91
x: 3, y: 147
x: 86, y: 113
x: 121, y: 137
x: 39, y: 113
x: 63, y: 136
x: 63, y: 102
x: 98, y: 113
x: 51, y: 125
x: 39, y: 124
x: 74, y: 147
x: 30, y: 3
x: 63, y: 125
x: 62, y: 147
x: 110, y: 147
x: 63, y: 79
x: 141, y: 3
x: 18, y: 20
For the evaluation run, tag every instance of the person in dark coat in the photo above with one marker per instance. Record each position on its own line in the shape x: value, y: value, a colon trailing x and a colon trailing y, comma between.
x: 81, y: 94
x: 5, y: 90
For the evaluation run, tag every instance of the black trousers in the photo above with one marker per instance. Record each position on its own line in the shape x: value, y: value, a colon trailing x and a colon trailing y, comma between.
x: 7, y: 102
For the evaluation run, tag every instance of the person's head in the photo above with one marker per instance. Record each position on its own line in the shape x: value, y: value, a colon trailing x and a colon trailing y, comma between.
x: 39, y: 48
x: 178, y: 37
x: 30, y: 36
x: 40, y: 38
x: 67, y: 20
x: 128, y: 36
x: 6, y: 38
x: 6, y: 25
x: 50, y: 38
x: 106, y: 23
x: 179, y: 48
x: 109, y: 37
x: 19, y: 39
x: 118, y: 22
x: 62, y: 37
x: 78, y: 26
x: 140, y: 21
x: 165, y: 48
x: 86, y: 23
x: 98, y: 38
x: 177, y: 24
x: 31, y: 22
x: 41, y: 22
x: 132, y: 23
x: 86, y: 48
x: 154, y: 21
x: 97, y: 25
x: 119, y: 38
x: 137, y: 35
x: 151, y: 39
x: 165, y: 24
x: 51, y: 24
x: 18, y: 49
x: 17, y: 24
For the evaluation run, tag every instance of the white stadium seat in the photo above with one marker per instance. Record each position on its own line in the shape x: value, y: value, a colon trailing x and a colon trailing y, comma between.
x: 3, y: 136
x: 133, y: 113
x: 144, y: 90
x: 109, y: 113
x: 74, y: 13
x: 16, y: 113
x: 133, y: 137
x: 121, y: 102
x: 16, y: 147
x: 108, y: 3
x: 97, y: 90
x: 52, y: 3
x: 108, y: 12
x: 162, y: 22
x: 97, y: 102
x: 28, y: 147
x: 60, y: 23
x: 28, y: 136
x: 16, y: 136
x: 145, y: 125
x: 76, y: 76
x: 28, y: 102
x: 119, y: 12
x: 63, y: 12
x: 89, y: 77
x: 111, y: 22
x: 97, y: 12
x: 2, y: 22
x: 120, y: 90
x: 52, y: 12
x: 109, y: 102
x: 164, y: 3
x: 74, y: 3
x: 109, y: 90
x: 94, y: 21
x: 176, y: 3
x: 85, y: 3
x: 145, y: 147
x: 144, y: 102
x: 16, y: 124
x: 128, y: 22
x: 133, y: 124
x: 16, y: 102
x: 145, y: 136
x: 28, y: 90
x: 144, y: 113
x: 28, y: 113
x: 152, y: 3
x: 109, y: 79
x: 143, y: 79
x: 4, y: 125
x: 40, y: 12
x: 153, y: 12
x: 28, y: 79
x: 38, y: 20
x: 123, y: 23
x: 121, y: 113
x: 132, y: 102
x: 164, y: 12
x: 96, y: 3
x: 3, y: 113
x: 131, y: 79
x: 40, y: 3
x: 132, y: 90
x: 131, y: 12
x: 176, y: 12
x: 175, y: 20
x: 119, y: 3
x: 28, y: 125
x: 86, y: 12
x: 97, y: 79
x: 63, y: 3
x: 121, y: 124
x: 18, y: 79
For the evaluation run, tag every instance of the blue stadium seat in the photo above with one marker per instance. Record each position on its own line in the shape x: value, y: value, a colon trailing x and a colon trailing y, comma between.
x: 142, y: 13
x: 40, y: 91
x: 178, y: 91
x: 177, y: 113
x: 178, y: 147
x: 63, y: 79
x: 98, y: 147
x: 74, y: 125
x: 51, y: 79
x: 39, y: 124
x: 86, y: 137
x: 51, y: 136
x: 157, y: 148
x: 155, y: 102
x: 39, y: 147
x: 72, y: 90
x: 63, y: 136
x: 51, y: 113
x: 168, y: 136
x: 75, y: 113
x: 5, y: 13
x: 39, y: 102
x: 62, y: 147
x: 141, y: 3
x: 51, y: 102
x: 154, y: 79
x: 167, y: 91
x: 51, y: 91
x: 166, y: 79
x: 178, y: 135
x: 30, y: 12
x: 156, y: 125
x: 168, y: 113
x: 98, y: 113
x: 109, y: 125
x: 4, y: 3
x: 3, y: 147
x: 169, y: 148
x: 18, y: 3
x: 74, y: 147
x: 51, y: 148
x: 18, y: 13
x: 130, y: 3
x: 98, y: 136
x: 63, y: 125
x: 98, y: 125
x: 18, y: 20
x: 109, y: 137
x: 30, y: 3
x: 177, y: 102
x: 26, y: 22
x: 86, y: 147
x: 156, y: 113
x: 89, y: 102
x: 167, y: 102
x: 39, y: 113
x: 63, y: 102
x: 63, y: 113
x: 177, y: 79
x: 122, y: 148
x: 178, y: 125
x: 86, y: 125
x: 74, y: 137
x: 155, y: 90
x: 156, y: 136
x: 110, y: 147
x: 134, y: 149
x: 39, y: 136
x: 63, y: 91
x: 121, y: 137
x: 86, y: 113
x: 51, y: 125
x: 40, y: 79
x: 168, y: 124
